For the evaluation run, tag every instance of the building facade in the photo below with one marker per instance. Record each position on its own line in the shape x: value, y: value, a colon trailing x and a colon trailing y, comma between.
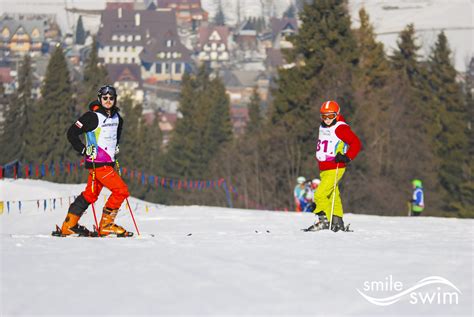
x: 148, y: 38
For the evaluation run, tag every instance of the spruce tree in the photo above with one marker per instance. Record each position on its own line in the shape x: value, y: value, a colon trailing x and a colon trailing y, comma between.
x: 95, y: 76
x: 204, y: 127
x: 219, y: 19
x: 255, y: 113
x: 54, y: 115
x: 323, y: 57
x: 414, y: 143
x: 17, y: 115
x: 290, y: 12
x: 218, y: 126
x: 130, y: 141
x: 453, y: 137
x: 324, y: 54
x: 80, y: 32
x: 180, y: 158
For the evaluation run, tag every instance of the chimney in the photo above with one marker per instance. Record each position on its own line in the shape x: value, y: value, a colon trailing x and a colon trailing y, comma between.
x: 137, y: 19
x: 119, y: 13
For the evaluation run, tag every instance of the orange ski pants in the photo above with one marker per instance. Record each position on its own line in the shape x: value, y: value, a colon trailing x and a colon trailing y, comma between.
x: 106, y: 176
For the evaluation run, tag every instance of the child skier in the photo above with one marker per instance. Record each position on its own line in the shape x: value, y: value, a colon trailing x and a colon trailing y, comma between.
x: 417, y: 201
x: 102, y: 125
x: 337, y: 146
x: 299, y: 193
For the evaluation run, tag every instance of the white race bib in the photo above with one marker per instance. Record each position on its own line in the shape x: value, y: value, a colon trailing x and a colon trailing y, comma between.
x: 329, y: 144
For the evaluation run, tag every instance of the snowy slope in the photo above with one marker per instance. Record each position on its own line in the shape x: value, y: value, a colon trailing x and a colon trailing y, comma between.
x: 225, y: 267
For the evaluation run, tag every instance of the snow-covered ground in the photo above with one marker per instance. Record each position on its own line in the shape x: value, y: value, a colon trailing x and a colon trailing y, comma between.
x: 225, y: 267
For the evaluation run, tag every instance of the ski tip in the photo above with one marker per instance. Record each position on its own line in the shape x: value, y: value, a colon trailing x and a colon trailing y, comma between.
x: 189, y: 234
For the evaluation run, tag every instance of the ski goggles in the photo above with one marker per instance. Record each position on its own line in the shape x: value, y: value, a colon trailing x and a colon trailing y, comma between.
x: 329, y: 116
x: 107, y: 90
x: 105, y: 98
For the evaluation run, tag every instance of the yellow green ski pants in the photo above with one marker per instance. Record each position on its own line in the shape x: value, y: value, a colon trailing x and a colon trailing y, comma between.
x: 324, y: 193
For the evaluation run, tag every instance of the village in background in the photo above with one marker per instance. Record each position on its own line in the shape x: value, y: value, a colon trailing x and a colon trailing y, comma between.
x: 147, y: 47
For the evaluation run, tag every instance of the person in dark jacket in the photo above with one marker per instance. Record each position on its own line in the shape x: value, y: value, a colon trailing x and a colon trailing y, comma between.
x: 102, y: 126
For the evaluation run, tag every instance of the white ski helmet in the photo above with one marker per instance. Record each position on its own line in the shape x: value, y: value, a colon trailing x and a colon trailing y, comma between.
x: 316, y: 181
x: 301, y: 180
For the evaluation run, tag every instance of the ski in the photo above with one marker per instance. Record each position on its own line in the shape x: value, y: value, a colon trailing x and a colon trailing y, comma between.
x: 263, y: 231
x: 94, y: 234
x: 315, y: 228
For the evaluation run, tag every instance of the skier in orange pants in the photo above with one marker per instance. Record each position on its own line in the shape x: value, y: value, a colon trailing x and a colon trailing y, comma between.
x: 102, y: 125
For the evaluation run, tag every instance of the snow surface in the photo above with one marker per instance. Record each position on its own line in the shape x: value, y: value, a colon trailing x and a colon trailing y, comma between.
x: 224, y: 267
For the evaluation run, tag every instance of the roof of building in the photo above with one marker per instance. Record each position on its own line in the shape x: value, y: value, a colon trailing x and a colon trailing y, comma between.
x: 28, y: 26
x: 165, y: 48
x: 153, y: 24
x: 207, y: 34
x: 279, y: 25
x: 240, y: 78
x: 247, y: 27
x: 124, y: 72
x: 170, y: 3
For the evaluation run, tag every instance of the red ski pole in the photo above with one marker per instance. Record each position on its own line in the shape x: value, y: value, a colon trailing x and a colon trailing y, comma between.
x: 95, y: 219
x: 126, y: 199
x: 133, y: 218
x: 93, y: 208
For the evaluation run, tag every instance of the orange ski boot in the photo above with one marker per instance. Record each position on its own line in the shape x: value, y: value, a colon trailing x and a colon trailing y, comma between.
x: 107, y: 225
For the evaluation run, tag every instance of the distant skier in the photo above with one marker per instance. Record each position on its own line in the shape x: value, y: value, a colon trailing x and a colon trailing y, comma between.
x: 417, y: 201
x: 337, y: 146
x: 102, y: 125
x: 299, y: 193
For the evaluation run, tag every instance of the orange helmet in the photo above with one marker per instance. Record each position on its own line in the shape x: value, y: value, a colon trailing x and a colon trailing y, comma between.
x: 330, y: 106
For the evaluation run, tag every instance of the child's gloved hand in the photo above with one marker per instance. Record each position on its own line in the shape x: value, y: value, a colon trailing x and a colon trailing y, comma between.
x: 117, y: 150
x: 342, y: 158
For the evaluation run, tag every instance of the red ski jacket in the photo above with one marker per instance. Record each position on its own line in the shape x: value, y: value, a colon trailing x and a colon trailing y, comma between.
x: 347, y: 136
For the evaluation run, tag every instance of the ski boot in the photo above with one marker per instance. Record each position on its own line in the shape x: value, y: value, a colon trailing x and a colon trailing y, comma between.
x: 72, y: 227
x: 107, y: 225
x: 338, y: 225
x: 321, y: 224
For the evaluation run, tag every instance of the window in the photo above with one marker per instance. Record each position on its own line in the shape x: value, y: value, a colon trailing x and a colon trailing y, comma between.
x: 133, y: 60
x: 130, y: 38
x: 115, y: 38
x: 125, y: 60
x: 177, y: 68
x: 118, y: 60
x: 110, y: 48
x: 122, y: 38
x: 159, y: 68
x: 138, y: 37
x: 167, y: 68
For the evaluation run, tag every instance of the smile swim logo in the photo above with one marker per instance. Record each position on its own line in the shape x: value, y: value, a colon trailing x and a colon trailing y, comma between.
x: 437, y: 297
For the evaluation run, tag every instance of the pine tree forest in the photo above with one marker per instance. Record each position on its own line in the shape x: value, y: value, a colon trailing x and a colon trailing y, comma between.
x: 410, y: 113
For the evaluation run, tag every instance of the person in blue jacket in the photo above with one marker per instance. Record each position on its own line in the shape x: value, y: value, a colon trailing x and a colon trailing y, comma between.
x: 417, y: 201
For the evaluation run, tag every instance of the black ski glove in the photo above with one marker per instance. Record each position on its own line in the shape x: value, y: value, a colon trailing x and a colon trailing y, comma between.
x: 342, y: 158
